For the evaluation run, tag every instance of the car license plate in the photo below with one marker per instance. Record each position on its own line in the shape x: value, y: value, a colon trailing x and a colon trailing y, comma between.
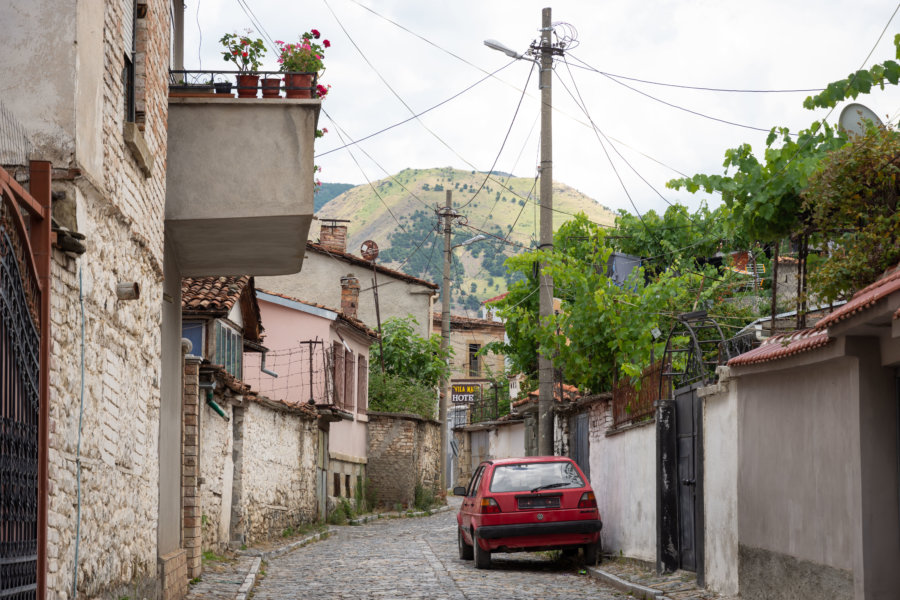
x: 535, y: 502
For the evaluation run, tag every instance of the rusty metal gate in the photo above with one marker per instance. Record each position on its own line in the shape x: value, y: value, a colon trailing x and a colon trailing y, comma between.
x: 24, y: 273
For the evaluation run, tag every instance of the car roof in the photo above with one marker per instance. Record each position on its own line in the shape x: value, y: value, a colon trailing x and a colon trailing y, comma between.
x: 528, y: 459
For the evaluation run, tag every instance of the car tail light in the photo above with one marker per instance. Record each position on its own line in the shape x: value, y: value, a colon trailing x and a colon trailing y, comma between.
x: 489, y: 506
x: 587, y: 500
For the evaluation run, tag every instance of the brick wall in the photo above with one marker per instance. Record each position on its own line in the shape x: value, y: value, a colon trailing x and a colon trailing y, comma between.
x: 403, y: 450
x: 173, y: 572
x: 190, y: 471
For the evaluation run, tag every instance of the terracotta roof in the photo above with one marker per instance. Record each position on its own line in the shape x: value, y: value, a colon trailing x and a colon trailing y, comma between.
x: 496, y: 298
x: 781, y: 346
x: 461, y: 321
x: 303, y: 408
x: 349, y: 320
x: 359, y: 261
x: 228, y: 380
x: 570, y: 392
x: 865, y: 298
x: 215, y: 295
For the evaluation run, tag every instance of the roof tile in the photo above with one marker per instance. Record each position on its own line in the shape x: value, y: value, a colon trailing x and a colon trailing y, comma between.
x: 781, y: 346
x: 215, y: 295
x: 865, y: 298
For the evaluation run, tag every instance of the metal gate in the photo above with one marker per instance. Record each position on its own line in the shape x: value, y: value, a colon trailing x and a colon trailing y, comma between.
x: 480, y: 447
x: 579, y: 442
x: 690, y: 360
x: 24, y: 238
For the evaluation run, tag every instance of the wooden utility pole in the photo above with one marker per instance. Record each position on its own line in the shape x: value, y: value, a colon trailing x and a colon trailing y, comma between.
x: 545, y: 362
x: 447, y: 215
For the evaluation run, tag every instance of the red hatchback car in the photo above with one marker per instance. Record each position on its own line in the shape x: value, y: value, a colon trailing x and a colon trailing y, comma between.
x: 527, y: 504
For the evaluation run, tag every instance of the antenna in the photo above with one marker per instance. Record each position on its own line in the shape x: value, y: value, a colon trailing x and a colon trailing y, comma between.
x: 854, y: 118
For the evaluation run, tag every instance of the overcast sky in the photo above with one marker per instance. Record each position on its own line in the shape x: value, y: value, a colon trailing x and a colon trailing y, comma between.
x: 758, y: 44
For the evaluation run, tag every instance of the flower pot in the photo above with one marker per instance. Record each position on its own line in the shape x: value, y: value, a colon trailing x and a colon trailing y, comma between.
x: 223, y: 87
x: 271, y: 88
x: 298, y: 85
x: 247, y: 85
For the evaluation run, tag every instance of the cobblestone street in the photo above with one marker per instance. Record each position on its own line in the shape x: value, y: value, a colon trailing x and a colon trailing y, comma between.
x: 416, y: 558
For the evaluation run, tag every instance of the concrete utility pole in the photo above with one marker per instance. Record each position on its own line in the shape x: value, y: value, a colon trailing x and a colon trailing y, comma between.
x: 447, y: 213
x: 545, y: 363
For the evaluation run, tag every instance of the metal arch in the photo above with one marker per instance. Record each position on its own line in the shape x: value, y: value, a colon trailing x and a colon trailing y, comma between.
x: 696, y: 369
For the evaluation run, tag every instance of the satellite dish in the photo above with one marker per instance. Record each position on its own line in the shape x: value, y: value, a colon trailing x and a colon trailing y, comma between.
x: 853, y: 119
x: 369, y: 250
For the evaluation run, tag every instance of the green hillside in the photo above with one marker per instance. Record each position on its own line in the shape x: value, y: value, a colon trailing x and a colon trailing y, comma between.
x: 328, y: 192
x: 503, y: 203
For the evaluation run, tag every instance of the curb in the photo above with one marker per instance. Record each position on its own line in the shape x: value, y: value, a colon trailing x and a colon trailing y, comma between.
x: 270, y: 554
x: 249, y: 580
x: 634, y: 589
x: 398, y: 515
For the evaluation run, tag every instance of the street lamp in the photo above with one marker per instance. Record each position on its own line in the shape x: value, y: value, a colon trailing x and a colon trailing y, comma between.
x: 545, y: 51
x: 471, y: 240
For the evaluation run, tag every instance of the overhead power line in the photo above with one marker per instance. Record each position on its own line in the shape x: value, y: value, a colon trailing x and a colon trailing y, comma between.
x: 703, y: 88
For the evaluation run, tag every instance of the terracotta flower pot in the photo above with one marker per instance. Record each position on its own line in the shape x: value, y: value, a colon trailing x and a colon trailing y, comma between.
x: 271, y: 88
x: 246, y: 85
x: 298, y: 85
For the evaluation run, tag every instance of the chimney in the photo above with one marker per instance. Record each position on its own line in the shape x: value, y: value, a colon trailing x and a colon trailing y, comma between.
x: 349, y: 295
x: 333, y: 236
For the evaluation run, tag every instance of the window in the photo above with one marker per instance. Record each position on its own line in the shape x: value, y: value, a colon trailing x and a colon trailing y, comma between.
x: 474, y: 360
x: 362, y: 385
x: 229, y: 348
x: 476, y: 479
x: 349, y: 383
x: 337, y: 484
x: 347, y: 485
x: 337, y: 350
x: 532, y: 476
x: 130, y: 41
x: 193, y: 330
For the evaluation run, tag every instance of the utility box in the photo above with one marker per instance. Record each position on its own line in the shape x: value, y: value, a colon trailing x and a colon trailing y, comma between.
x: 619, y: 267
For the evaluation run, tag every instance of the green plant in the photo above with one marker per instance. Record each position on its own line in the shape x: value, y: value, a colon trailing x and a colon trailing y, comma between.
x: 365, y: 495
x: 287, y: 532
x: 244, y: 52
x: 306, y: 56
x: 211, y: 556
x: 393, y: 393
x: 423, y: 497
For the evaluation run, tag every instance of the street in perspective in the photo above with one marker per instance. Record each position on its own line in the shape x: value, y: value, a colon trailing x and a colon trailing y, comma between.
x: 355, y: 299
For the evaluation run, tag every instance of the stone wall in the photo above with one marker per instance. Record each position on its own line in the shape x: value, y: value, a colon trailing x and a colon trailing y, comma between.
x: 216, y: 473
x: 120, y: 212
x: 404, y: 450
x: 275, y: 469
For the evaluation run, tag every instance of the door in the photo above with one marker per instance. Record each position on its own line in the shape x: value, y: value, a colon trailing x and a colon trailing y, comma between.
x: 687, y: 419
x: 480, y: 447
x: 579, y: 442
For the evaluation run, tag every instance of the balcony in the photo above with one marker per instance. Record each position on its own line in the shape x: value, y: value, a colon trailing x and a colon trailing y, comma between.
x: 239, y: 180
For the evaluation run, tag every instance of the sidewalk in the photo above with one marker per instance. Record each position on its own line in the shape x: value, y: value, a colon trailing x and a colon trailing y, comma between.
x: 235, y: 576
x: 640, y: 580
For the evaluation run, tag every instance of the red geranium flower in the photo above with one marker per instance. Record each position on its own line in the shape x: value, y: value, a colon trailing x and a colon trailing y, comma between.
x: 327, y: 44
x: 315, y: 33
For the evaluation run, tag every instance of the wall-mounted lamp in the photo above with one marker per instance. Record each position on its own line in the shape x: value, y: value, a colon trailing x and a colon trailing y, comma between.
x: 128, y: 290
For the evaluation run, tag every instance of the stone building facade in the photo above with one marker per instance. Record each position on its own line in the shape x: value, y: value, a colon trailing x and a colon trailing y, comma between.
x: 404, y: 452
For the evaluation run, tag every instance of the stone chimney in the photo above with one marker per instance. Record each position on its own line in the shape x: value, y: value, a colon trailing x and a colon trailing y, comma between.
x: 333, y: 236
x: 349, y: 295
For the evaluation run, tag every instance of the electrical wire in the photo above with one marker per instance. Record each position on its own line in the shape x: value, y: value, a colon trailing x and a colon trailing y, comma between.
x: 670, y: 104
x: 415, y: 116
x: 199, y: 36
x: 245, y: 6
x: 702, y: 88
x: 503, y: 145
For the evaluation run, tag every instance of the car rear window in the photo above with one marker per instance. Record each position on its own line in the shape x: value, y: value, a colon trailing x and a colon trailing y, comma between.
x: 528, y: 477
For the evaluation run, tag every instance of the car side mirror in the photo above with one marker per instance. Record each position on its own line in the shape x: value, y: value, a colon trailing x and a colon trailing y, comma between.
x: 459, y: 491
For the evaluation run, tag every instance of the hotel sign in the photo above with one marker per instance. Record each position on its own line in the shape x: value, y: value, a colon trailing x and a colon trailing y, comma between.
x: 465, y: 393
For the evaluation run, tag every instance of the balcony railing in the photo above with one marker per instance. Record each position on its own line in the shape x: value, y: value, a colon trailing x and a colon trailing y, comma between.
x: 272, y: 84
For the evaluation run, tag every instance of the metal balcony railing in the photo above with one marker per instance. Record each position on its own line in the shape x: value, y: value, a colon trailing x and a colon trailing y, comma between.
x: 272, y: 84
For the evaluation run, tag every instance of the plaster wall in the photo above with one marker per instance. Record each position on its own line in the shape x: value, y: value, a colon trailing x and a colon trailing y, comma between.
x: 349, y: 439
x: 720, y: 477
x: 623, y: 475
x: 217, y: 472
x: 319, y: 282
x: 508, y: 441
x: 460, y: 339
x: 799, y: 480
x: 278, y: 471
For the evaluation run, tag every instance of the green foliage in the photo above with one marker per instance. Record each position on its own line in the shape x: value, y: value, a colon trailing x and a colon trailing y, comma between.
x: 764, y: 196
x: 393, y: 393
x: 423, y: 497
x: 365, y: 495
x: 211, y: 556
x: 860, y: 82
x: 342, y: 513
x: 329, y: 191
x: 408, y: 355
x: 853, y: 203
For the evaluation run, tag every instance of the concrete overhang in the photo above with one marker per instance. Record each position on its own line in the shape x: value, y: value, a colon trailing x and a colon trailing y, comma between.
x: 239, y: 184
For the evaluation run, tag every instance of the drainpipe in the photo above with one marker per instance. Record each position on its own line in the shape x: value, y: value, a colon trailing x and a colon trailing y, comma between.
x: 262, y: 367
x: 209, y: 386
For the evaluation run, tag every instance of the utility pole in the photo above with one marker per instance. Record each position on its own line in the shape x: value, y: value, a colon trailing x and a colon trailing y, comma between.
x: 447, y: 213
x: 545, y: 286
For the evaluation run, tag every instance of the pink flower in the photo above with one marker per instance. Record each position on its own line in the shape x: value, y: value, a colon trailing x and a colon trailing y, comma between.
x: 279, y: 42
x: 327, y: 44
x: 315, y: 33
x: 324, y: 130
x: 244, y: 54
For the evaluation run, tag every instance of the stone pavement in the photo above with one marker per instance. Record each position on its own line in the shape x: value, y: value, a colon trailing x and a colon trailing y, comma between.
x: 416, y: 558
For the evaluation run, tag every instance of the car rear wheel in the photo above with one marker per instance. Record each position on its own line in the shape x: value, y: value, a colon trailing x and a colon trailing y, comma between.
x: 482, y: 557
x: 591, y: 554
x: 466, y: 551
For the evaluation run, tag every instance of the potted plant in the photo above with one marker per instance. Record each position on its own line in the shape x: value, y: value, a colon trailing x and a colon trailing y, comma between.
x: 300, y: 62
x: 246, y: 54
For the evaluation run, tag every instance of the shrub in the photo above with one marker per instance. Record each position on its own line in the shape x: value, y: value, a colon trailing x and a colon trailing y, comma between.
x: 394, y: 393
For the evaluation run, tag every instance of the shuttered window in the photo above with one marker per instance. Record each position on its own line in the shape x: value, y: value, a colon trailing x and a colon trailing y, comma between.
x: 362, y: 385
x: 338, y: 355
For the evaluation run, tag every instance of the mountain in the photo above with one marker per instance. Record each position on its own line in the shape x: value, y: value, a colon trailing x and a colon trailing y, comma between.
x: 415, y: 245
x: 329, y: 191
